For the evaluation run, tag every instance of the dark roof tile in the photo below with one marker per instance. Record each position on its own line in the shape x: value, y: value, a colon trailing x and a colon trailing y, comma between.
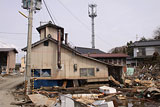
x: 146, y: 43
x: 84, y: 50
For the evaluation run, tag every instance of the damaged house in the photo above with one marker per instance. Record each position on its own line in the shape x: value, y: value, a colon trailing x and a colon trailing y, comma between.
x: 7, y: 59
x: 53, y: 62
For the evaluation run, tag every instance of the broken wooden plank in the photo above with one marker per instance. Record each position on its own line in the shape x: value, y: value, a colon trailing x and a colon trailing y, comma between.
x: 115, y: 81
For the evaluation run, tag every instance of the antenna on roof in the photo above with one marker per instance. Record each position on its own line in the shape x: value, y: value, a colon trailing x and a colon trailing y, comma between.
x: 136, y: 37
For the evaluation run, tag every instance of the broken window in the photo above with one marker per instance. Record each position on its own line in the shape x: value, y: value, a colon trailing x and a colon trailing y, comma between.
x: 41, y: 73
x: 46, y: 73
x: 87, y: 72
x: 35, y: 73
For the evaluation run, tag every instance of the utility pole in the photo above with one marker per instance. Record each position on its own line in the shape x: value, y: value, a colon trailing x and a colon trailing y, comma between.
x: 29, y: 43
x: 92, y: 12
x: 30, y: 5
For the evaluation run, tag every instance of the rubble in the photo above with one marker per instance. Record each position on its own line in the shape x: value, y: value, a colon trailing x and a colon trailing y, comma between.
x: 138, y: 89
x: 41, y: 100
x: 107, y: 90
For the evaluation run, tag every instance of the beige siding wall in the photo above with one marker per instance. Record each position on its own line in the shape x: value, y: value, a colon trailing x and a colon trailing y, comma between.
x: 11, y: 61
x: 69, y: 59
x: 45, y: 57
x: 23, y: 64
x: 48, y: 30
x: 52, y: 32
x: 42, y: 34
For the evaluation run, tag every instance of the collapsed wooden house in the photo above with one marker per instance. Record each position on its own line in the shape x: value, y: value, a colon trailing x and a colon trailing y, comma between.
x: 53, y: 61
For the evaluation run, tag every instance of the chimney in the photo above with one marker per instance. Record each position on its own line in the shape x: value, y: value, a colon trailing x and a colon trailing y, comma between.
x: 59, y: 49
x: 66, y: 38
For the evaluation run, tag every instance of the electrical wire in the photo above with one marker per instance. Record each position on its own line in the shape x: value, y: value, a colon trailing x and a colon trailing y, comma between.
x: 14, y: 33
x: 73, y: 14
x: 83, y: 23
x: 48, y: 11
x: 53, y: 14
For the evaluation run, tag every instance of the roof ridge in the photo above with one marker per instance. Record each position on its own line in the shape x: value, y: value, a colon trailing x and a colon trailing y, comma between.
x: 85, y: 47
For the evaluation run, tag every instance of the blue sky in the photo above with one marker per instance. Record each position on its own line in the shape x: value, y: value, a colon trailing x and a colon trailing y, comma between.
x: 118, y: 21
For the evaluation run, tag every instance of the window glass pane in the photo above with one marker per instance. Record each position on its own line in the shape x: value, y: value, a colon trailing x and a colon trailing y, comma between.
x: 83, y: 72
x: 91, y: 72
x: 87, y: 72
x: 35, y: 73
x: 141, y: 52
x: 46, y: 73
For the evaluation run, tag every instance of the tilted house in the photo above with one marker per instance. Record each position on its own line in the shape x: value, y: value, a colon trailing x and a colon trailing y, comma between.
x: 53, y: 60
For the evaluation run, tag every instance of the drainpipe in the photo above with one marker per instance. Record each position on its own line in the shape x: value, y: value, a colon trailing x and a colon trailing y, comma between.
x: 59, y: 49
x: 66, y: 38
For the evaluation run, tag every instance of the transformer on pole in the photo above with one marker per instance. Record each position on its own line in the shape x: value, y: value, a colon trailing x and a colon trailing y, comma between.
x: 31, y: 5
x: 92, y: 12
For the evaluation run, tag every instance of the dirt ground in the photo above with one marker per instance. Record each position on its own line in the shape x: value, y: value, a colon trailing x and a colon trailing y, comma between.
x: 7, y: 85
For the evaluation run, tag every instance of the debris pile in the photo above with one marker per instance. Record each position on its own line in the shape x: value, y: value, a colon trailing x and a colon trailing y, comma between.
x: 148, y: 76
x: 139, y: 87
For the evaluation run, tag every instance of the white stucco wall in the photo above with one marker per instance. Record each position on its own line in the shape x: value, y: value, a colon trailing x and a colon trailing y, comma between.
x: 135, y: 52
x: 150, y: 50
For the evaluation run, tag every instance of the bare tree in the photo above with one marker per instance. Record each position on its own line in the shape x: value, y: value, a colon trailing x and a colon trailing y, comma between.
x: 157, y: 34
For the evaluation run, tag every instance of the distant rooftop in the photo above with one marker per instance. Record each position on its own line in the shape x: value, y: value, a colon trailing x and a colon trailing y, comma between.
x: 8, y: 49
x: 146, y: 43
x: 84, y: 50
x: 107, y: 55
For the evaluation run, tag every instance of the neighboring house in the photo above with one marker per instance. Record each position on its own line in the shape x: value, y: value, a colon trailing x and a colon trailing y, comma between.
x: 7, y: 59
x: 23, y: 65
x: 118, y: 59
x: 52, y: 61
x: 84, y: 50
x: 17, y: 67
x: 144, y: 49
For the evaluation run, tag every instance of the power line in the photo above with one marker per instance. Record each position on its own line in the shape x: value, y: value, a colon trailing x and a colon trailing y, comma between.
x: 15, y: 33
x: 53, y: 14
x: 73, y: 14
x: 82, y: 23
x: 48, y: 11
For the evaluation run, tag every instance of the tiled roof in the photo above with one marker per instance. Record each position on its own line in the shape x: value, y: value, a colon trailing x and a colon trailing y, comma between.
x: 146, y: 43
x: 84, y: 50
x: 107, y: 55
